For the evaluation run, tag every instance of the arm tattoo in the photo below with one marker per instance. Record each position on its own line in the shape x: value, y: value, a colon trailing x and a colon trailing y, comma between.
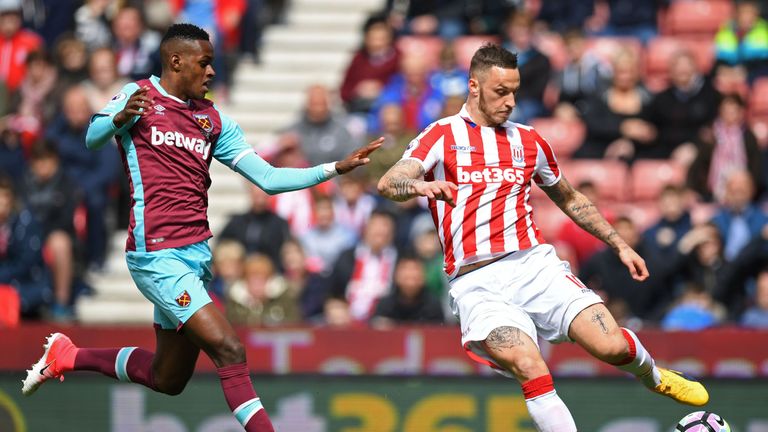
x: 502, y: 338
x: 399, y: 182
x: 582, y: 211
x: 597, y: 317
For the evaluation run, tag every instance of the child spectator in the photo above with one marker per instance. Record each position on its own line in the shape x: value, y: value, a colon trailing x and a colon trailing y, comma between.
x: 409, y: 301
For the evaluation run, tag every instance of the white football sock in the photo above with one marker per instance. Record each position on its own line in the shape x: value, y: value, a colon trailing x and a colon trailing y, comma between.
x: 639, y: 362
x: 547, y: 410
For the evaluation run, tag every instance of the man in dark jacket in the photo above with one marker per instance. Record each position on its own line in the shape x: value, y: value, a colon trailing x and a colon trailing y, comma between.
x: 409, y: 302
x: 259, y: 229
x: 21, y: 257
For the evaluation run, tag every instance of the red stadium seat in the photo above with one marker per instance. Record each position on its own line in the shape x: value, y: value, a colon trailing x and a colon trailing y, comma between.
x: 605, y: 48
x: 609, y: 177
x: 564, y: 136
x: 695, y: 17
x: 426, y: 46
x: 648, y: 177
x: 661, y: 49
x: 758, y: 98
x: 465, y: 47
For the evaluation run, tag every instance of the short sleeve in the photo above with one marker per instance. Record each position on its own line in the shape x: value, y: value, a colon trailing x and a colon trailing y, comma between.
x: 425, y: 147
x: 547, y: 170
x: 118, y: 101
x: 231, y: 146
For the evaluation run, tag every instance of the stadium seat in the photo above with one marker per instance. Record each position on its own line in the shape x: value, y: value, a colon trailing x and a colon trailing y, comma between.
x: 648, y: 177
x: 605, y: 48
x: 661, y: 49
x: 551, y: 44
x: 758, y: 98
x: 426, y: 46
x: 564, y: 136
x: 465, y: 47
x: 609, y: 177
x: 695, y: 17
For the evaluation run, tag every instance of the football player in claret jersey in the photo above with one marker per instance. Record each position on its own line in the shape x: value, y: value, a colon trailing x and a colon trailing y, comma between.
x: 168, y: 133
x: 507, y: 286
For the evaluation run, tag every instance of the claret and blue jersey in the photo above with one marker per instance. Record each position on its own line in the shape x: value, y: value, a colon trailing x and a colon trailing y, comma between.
x: 173, y: 145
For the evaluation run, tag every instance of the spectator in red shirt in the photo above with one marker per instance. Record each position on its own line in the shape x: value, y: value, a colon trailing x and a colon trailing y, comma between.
x: 15, y: 44
x: 371, y: 67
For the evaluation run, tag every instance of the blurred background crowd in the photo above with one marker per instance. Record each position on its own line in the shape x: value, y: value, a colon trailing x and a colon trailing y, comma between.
x: 657, y: 110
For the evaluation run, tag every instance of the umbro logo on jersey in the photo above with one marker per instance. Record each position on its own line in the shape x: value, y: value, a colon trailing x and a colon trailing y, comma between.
x: 178, y: 139
x: 463, y: 148
x: 159, y: 108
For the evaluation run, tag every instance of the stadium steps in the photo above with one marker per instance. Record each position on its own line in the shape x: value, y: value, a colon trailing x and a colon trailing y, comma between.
x: 313, y: 46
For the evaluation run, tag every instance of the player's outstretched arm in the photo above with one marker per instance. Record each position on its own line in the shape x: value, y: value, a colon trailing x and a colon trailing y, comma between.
x: 103, y: 127
x: 582, y: 211
x: 274, y: 180
x: 405, y: 180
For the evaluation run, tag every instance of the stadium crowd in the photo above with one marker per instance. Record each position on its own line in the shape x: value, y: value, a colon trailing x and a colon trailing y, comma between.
x: 657, y: 110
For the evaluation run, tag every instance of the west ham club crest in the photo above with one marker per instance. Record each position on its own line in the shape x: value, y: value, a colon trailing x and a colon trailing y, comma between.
x: 184, y: 299
x: 204, y: 121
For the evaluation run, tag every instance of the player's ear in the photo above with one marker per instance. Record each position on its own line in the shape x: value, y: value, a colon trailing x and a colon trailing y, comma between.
x: 175, y: 62
x: 474, y: 87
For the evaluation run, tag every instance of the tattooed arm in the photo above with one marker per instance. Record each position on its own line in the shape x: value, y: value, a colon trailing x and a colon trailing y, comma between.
x: 582, y: 211
x: 405, y: 180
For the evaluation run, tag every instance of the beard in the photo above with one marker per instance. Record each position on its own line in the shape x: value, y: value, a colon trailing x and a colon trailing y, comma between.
x: 494, y: 118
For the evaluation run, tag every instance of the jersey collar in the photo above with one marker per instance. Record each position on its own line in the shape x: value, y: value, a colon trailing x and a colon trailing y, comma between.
x: 156, y: 82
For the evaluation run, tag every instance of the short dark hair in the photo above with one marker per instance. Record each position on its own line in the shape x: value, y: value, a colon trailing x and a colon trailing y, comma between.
x: 6, y: 184
x: 43, y: 150
x: 490, y: 55
x: 185, y: 31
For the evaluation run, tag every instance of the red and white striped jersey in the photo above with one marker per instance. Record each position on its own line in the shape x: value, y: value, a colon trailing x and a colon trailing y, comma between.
x: 493, y: 168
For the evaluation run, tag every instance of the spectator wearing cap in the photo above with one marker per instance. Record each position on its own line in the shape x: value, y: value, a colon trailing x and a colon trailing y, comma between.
x: 15, y: 44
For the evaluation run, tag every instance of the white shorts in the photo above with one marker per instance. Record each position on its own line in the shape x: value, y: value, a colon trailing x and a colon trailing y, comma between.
x: 532, y: 290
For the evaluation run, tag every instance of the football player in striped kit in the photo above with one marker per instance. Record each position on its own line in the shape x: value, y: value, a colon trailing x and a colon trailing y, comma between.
x: 507, y: 285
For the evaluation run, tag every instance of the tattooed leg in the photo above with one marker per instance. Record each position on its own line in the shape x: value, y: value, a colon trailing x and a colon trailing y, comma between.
x: 598, y: 317
x: 514, y: 350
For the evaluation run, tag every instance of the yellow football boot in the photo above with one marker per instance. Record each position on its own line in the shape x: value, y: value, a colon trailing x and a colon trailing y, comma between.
x: 680, y: 388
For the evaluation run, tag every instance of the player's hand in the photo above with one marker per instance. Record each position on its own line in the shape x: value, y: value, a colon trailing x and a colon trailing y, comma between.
x: 138, y: 104
x: 358, y: 157
x: 438, y: 190
x: 634, y: 263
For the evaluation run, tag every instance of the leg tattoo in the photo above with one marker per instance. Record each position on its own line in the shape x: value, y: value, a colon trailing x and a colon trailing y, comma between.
x: 503, y: 338
x: 597, y: 317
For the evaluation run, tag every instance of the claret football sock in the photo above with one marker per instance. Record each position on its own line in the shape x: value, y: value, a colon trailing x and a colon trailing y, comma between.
x: 547, y: 410
x: 129, y: 364
x: 242, y: 398
x: 639, y: 362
